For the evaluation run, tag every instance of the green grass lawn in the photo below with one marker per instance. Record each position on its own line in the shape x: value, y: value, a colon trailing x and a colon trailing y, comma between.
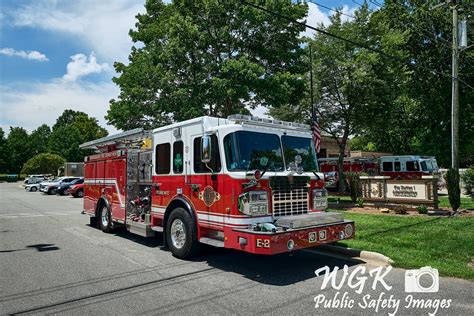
x: 466, y: 202
x: 446, y: 244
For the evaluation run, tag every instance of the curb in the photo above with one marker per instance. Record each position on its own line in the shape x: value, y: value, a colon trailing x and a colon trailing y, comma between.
x: 362, y: 254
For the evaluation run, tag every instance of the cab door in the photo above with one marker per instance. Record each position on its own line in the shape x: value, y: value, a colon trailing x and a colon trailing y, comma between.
x: 207, y: 183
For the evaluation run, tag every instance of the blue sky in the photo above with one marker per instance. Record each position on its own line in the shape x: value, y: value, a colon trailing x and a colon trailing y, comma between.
x: 59, y: 54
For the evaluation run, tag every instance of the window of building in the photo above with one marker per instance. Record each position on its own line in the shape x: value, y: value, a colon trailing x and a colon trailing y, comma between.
x: 162, y: 163
x: 387, y: 166
x: 412, y: 166
x: 397, y: 166
x: 215, y: 163
x: 178, y: 161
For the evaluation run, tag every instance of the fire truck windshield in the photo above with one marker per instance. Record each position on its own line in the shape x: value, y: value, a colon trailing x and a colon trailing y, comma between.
x: 244, y: 150
x: 293, y: 146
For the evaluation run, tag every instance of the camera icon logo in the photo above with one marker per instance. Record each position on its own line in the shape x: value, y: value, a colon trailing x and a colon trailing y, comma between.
x: 423, y: 280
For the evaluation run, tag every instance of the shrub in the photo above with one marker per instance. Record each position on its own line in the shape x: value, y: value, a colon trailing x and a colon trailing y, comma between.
x: 44, y: 163
x: 468, y: 180
x: 454, y: 191
x: 354, y: 185
x: 360, y: 202
x: 422, y: 209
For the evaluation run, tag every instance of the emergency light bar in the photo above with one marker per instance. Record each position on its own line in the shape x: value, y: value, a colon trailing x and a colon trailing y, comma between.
x: 259, y: 121
x: 127, y: 137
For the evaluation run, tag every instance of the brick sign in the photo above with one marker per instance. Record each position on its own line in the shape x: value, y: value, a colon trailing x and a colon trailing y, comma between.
x: 382, y: 189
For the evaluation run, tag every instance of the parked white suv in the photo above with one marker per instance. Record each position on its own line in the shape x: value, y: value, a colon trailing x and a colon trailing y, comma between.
x: 35, y: 178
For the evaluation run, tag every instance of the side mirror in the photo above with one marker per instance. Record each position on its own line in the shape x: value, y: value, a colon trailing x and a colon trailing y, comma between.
x: 206, y: 149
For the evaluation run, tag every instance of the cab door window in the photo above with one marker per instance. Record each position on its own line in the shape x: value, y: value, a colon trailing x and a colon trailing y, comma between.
x: 412, y: 166
x: 214, y: 164
x: 178, y: 161
x: 387, y: 166
x: 162, y: 163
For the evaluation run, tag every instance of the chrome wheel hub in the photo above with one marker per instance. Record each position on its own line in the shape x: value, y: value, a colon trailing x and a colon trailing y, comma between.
x: 178, y: 233
x: 105, y: 217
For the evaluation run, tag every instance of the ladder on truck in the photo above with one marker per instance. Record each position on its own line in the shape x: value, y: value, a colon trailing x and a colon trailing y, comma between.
x: 128, y: 139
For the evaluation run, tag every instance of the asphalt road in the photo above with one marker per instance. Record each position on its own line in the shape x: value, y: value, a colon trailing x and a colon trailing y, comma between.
x: 52, y: 261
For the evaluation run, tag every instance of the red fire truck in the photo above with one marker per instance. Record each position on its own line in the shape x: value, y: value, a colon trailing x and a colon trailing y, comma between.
x: 243, y: 182
x: 396, y: 167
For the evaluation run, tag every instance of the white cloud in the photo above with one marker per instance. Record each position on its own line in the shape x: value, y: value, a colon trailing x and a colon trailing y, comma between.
x: 348, y: 13
x: 80, y: 66
x: 31, y: 54
x: 315, y: 17
x: 31, y: 105
x: 102, y: 25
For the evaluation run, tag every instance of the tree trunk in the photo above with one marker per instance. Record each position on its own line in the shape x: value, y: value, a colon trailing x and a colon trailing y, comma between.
x: 340, y: 167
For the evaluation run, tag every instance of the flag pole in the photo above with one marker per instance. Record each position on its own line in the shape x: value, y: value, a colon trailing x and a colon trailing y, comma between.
x: 311, y: 81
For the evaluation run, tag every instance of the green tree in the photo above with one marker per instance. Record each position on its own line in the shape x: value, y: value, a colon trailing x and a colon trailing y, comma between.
x: 65, y: 141
x: 18, y: 148
x: 419, y: 122
x: 39, y: 139
x: 208, y: 57
x: 3, y: 152
x: 44, y: 163
x: 349, y: 81
x: 71, y: 129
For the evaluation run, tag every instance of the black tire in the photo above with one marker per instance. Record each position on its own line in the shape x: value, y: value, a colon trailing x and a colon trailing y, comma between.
x: 52, y: 191
x: 79, y: 194
x: 105, y: 220
x: 191, y: 245
x: 33, y: 189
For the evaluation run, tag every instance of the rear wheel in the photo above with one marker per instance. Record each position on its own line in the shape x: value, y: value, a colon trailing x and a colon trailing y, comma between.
x: 80, y: 194
x: 181, y: 234
x: 33, y: 189
x: 105, y: 219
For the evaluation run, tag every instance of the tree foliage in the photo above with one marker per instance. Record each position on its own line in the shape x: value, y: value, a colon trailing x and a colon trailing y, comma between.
x: 3, y: 152
x: 418, y: 119
x: 71, y: 129
x: 44, y: 163
x: 18, y: 149
x: 39, y: 139
x: 454, y: 190
x: 208, y: 57
x: 349, y: 81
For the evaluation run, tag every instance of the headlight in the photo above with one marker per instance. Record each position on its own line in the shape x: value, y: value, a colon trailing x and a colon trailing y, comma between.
x: 320, y: 200
x: 253, y: 203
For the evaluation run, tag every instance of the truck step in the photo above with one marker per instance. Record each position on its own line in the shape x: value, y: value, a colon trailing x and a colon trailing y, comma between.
x: 212, y: 242
x: 140, y: 229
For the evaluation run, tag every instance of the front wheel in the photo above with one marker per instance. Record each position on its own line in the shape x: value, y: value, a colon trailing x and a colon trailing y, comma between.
x: 181, y: 234
x: 80, y: 194
x: 33, y: 189
x: 105, y: 219
x: 52, y: 191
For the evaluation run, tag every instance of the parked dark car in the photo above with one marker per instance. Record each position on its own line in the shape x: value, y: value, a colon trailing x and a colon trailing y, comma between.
x: 63, y: 187
x: 51, y: 187
x: 76, y: 190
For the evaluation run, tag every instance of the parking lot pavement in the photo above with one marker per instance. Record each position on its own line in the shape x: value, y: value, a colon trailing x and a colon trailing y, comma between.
x: 52, y: 261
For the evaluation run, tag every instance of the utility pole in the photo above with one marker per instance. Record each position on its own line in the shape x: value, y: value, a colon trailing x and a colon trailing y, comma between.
x: 455, y: 85
x: 455, y: 93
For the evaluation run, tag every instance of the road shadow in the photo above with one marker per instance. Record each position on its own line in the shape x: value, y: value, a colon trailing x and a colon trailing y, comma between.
x: 38, y: 247
x: 151, y: 242
x: 43, y: 247
x: 278, y: 270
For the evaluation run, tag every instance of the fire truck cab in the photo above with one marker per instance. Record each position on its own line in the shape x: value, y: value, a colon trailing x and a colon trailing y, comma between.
x: 244, y: 182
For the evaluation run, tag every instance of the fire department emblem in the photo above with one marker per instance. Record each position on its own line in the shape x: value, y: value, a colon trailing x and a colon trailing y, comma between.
x: 209, y: 196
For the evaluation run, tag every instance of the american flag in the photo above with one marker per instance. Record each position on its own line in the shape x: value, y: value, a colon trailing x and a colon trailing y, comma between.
x: 315, y: 132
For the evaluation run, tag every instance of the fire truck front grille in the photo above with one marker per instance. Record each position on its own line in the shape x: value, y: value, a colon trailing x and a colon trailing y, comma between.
x: 289, y: 197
